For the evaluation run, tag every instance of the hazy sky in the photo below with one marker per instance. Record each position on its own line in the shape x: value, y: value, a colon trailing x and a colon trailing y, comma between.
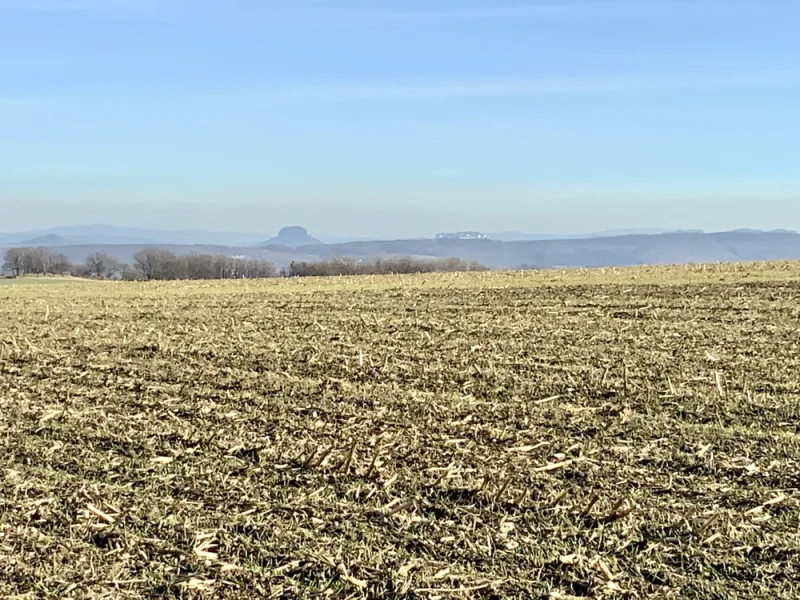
x: 400, y: 117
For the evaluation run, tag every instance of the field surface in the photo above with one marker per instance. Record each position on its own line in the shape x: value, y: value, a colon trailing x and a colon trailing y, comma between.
x: 581, y: 434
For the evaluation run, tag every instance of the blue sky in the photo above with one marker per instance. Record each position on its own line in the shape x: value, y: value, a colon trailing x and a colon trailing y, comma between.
x: 393, y: 118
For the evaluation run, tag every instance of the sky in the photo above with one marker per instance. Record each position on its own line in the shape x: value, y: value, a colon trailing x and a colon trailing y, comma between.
x: 395, y: 118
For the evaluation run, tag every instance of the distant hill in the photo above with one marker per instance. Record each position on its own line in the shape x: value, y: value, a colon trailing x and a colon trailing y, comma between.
x: 294, y: 243
x: 292, y: 237
x: 519, y: 236
x: 45, y: 241
x: 109, y: 234
x: 667, y: 248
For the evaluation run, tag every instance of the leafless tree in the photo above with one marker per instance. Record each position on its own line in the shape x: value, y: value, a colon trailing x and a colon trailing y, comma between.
x: 128, y: 273
x: 102, y: 264
x: 26, y: 261
x: 13, y: 261
x: 155, y: 264
x: 35, y: 260
x: 58, y: 264
x: 380, y: 266
x: 148, y: 263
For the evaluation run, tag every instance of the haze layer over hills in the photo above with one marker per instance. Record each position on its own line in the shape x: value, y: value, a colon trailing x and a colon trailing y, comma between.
x: 509, y: 250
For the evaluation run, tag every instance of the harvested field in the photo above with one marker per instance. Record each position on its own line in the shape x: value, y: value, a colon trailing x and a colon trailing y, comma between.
x: 582, y: 434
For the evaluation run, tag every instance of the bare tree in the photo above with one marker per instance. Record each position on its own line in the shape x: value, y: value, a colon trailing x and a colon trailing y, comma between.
x: 174, y: 267
x: 199, y: 266
x: 102, y: 264
x: 222, y: 267
x: 25, y: 261
x: 128, y: 273
x: 147, y: 263
x: 155, y: 264
x: 13, y: 261
x: 58, y: 264
x: 259, y: 269
x: 380, y: 266
x: 35, y: 260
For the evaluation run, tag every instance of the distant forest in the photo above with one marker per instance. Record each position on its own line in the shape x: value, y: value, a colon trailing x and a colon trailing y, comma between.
x: 153, y: 264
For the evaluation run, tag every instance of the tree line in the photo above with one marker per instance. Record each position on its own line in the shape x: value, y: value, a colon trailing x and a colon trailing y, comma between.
x: 148, y: 264
x: 154, y: 264
x: 36, y: 261
x: 382, y: 266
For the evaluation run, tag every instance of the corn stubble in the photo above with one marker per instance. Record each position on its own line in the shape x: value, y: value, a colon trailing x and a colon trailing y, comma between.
x: 582, y: 434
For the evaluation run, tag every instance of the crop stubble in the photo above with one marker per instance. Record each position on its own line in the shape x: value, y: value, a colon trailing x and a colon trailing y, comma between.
x: 625, y: 434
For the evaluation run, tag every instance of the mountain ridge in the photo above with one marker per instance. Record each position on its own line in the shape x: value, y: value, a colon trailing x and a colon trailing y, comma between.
x: 621, y: 250
x: 98, y: 233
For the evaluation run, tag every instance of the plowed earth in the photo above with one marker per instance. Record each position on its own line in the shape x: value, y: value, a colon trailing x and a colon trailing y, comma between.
x: 586, y: 434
